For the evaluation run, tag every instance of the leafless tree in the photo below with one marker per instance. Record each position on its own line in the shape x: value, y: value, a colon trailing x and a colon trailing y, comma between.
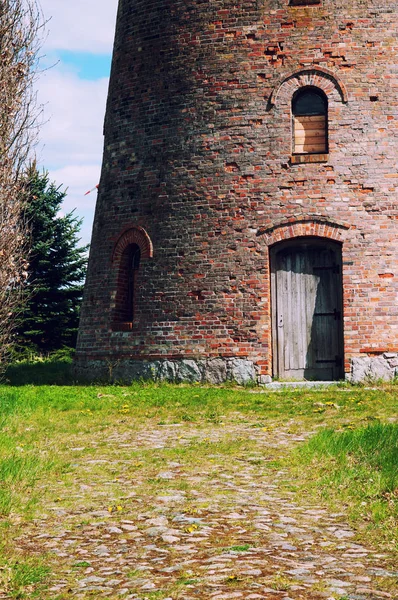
x: 20, y: 34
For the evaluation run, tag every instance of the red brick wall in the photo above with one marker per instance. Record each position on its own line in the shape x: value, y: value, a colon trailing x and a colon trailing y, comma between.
x: 197, y: 154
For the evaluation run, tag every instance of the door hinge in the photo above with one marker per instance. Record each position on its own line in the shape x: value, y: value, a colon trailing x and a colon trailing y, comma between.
x: 333, y: 268
x: 337, y: 361
x: 336, y: 314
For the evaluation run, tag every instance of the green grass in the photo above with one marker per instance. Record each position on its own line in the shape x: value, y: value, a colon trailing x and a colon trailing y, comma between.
x: 40, y: 371
x: 49, y: 433
x: 243, y: 548
x: 24, y: 579
x: 18, y: 475
x: 367, y: 455
x: 356, y: 467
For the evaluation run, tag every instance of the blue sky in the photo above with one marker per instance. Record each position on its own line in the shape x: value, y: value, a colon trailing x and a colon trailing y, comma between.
x: 72, y: 88
x: 85, y: 64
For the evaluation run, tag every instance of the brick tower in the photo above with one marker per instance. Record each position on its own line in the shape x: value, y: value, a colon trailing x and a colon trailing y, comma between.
x: 247, y: 215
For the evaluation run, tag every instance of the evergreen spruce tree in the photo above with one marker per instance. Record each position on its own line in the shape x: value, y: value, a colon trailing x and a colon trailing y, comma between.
x: 57, y: 267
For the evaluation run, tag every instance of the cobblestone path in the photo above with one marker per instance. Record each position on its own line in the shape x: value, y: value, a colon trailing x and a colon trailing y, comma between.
x: 215, y: 531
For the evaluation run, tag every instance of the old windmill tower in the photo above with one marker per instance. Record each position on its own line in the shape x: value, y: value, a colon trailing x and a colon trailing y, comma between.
x: 246, y: 225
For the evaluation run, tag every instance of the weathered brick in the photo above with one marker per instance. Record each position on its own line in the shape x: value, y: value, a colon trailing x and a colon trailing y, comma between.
x: 198, y: 168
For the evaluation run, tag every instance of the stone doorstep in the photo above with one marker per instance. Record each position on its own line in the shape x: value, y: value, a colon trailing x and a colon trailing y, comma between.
x: 280, y: 385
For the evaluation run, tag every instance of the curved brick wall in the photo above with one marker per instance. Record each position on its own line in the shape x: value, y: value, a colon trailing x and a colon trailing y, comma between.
x: 198, y: 167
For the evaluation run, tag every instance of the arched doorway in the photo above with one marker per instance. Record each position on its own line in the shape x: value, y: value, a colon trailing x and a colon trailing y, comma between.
x: 307, y: 309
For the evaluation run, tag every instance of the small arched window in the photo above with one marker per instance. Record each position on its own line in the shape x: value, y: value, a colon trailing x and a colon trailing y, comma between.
x: 304, y: 2
x: 310, y: 121
x: 127, y: 284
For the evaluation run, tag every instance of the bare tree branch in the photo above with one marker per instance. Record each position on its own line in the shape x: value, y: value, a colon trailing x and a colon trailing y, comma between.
x: 21, y: 24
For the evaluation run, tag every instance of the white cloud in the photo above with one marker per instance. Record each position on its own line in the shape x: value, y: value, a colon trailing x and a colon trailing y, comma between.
x: 71, y: 137
x: 78, y: 179
x: 80, y: 25
x: 74, y: 112
x: 79, y: 174
x: 71, y: 140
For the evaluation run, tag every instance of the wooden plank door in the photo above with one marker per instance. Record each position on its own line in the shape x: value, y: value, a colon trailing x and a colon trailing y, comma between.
x: 307, y: 311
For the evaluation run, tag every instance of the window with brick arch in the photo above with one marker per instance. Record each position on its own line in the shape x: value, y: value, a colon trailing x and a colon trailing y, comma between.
x: 127, y: 284
x: 310, y: 121
x: 304, y: 2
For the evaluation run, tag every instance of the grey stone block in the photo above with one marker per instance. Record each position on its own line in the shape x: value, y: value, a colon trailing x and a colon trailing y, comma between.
x: 242, y: 371
x: 132, y: 370
x: 380, y: 369
x: 359, y: 369
x: 166, y: 370
x: 215, y: 371
x: 371, y: 369
x: 188, y: 371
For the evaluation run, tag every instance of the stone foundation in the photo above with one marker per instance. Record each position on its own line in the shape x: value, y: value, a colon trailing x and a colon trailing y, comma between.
x: 215, y: 371
x: 373, y: 368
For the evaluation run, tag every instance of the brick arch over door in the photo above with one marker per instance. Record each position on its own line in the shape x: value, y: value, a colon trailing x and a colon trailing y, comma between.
x: 133, y: 235
x: 305, y: 227
x: 317, y: 77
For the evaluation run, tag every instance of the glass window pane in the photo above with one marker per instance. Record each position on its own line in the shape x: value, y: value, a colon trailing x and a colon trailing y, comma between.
x: 309, y: 103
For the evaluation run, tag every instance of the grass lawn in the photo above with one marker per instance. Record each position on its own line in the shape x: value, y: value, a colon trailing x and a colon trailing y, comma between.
x: 66, y: 451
